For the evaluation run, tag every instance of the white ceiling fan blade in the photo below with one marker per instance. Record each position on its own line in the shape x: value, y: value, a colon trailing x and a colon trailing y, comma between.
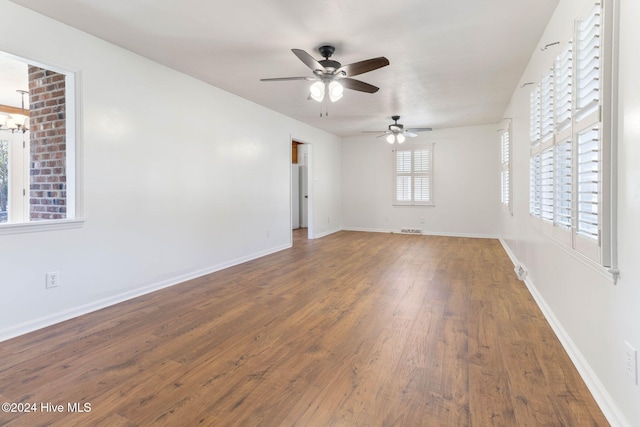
x: 281, y: 79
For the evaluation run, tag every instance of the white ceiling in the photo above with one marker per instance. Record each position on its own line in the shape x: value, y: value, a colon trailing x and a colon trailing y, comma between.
x: 13, y: 77
x: 452, y: 62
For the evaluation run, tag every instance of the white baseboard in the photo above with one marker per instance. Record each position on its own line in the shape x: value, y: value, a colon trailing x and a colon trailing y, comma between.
x: 368, y: 230
x: 42, y: 322
x: 597, y: 389
x: 424, y: 233
x: 326, y: 233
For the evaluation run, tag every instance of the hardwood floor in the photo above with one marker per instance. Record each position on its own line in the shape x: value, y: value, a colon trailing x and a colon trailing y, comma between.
x: 353, y: 329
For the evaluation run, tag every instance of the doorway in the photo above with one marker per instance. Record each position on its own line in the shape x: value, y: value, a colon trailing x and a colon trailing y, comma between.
x: 301, y: 197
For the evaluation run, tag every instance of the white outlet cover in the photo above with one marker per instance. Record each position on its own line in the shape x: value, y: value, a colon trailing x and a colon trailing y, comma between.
x: 52, y: 280
x: 631, y: 362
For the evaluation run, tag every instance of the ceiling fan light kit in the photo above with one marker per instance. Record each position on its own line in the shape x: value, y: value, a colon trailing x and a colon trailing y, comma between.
x: 318, y: 89
x: 399, y: 138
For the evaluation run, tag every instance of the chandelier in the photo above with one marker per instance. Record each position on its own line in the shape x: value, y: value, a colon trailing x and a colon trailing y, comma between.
x: 17, y: 122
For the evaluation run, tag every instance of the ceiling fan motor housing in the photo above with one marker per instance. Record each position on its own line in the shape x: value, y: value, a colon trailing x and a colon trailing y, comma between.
x: 326, y: 51
x: 396, y: 127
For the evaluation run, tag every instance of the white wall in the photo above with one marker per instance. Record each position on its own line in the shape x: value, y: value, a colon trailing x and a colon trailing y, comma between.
x: 178, y: 178
x: 591, y: 315
x: 466, y: 184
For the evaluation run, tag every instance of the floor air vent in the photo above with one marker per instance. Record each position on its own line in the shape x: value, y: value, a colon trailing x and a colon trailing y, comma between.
x: 410, y: 231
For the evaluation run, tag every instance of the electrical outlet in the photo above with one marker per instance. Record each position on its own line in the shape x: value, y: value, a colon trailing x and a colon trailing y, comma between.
x: 53, y: 279
x: 631, y: 362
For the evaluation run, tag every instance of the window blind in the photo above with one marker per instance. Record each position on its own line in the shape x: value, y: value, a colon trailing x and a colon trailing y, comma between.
x: 588, y: 63
x: 534, y: 125
x: 504, y: 178
x: 563, y: 184
x: 534, y: 185
x: 403, y: 175
x: 546, y: 184
x: 504, y: 175
x: 546, y: 107
x: 588, y: 175
x: 563, y: 89
x: 421, y: 169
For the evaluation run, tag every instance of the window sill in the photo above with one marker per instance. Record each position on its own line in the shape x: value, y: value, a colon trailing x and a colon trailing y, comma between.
x: 610, y: 273
x: 38, y: 226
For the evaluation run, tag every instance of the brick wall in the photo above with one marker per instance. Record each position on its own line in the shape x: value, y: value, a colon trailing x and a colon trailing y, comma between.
x: 48, y: 182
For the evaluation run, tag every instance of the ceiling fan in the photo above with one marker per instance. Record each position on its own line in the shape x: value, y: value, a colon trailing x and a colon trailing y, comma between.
x: 331, y: 76
x: 397, y: 132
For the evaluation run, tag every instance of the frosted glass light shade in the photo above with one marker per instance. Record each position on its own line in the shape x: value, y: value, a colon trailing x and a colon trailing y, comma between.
x: 335, y: 91
x: 317, y: 91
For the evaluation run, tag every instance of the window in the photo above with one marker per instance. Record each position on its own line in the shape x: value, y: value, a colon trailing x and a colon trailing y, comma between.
x: 413, y: 175
x: 505, y: 172
x: 570, y: 116
x: 37, y: 145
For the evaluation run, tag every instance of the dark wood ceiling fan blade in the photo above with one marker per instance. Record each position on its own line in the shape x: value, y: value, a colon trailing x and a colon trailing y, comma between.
x: 354, y: 84
x: 280, y: 79
x: 363, y: 66
x: 419, y: 129
x: 308, y: 60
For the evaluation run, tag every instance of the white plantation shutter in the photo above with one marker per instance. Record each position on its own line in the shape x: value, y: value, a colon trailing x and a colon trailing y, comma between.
x: 504, y: 178
x: 413, y: 176
x: 403, y: 176
x: 505, y: 184
x: 534, y: 185
x: 591, y: 173
x: 422, y: 179
x: 563, y: 184
x: 588, y: 175
x: 563, y: 87
x: 588, y: 70
x: 534, y: 124
x: 546, y: 107
x: 546, y: 184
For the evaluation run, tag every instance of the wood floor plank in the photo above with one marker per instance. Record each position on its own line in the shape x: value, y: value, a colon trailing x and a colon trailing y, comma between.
x: 354, y: 329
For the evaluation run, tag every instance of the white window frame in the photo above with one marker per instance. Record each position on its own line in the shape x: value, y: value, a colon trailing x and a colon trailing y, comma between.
x: 410, y: 172
x: 19, y: 221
